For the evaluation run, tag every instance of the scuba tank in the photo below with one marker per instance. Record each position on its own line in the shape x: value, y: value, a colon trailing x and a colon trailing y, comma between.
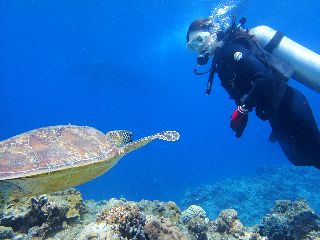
x: 304, y: 62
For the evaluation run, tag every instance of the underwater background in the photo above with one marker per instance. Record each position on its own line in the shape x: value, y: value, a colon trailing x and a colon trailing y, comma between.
x: 123, y: 65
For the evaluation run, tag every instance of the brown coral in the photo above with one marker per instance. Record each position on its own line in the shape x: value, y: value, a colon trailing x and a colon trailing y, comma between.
x: 228, y: 226
x: 161, y: 209
x: 128, y: 220
x: 163, y: 229
x: 228, y: 222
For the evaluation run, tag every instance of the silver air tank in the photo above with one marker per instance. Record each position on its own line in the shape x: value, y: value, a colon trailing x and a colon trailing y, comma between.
x: 305, y: 63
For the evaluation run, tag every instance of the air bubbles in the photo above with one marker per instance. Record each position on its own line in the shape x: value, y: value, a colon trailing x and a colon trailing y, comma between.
x: 221, y: 14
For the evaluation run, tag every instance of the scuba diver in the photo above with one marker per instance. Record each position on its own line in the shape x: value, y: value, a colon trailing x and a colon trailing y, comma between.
x: 256, y: 79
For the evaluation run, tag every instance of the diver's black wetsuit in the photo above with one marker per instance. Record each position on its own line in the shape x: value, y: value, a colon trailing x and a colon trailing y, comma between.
x: 250, y: 80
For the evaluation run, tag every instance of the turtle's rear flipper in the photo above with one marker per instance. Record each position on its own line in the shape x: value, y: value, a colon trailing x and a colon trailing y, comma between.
x: 169, y: 136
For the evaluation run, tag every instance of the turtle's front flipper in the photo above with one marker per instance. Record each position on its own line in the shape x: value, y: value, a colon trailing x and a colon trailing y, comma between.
x: 166, y: 136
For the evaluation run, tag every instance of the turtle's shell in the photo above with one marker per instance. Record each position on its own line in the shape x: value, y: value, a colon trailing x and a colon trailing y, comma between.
x: 52, y: 149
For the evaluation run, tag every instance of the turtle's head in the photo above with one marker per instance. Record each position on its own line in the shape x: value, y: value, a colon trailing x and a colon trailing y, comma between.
x: 119, y: 137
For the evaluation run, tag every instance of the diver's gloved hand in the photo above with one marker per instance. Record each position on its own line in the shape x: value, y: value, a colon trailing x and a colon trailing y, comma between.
x: 239, y: 120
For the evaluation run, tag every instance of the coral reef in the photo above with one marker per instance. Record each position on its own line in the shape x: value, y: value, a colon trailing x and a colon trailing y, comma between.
x: 98, y: 231
x: 192, y: 212
x: 126, y: 219
x: 163, y: 229
x: 121, y: 219
x: 253, y: 196
x: 161, y: 209
x: 6, y: 232
x: 195, y: 218
x: 289, y: 221
x: 64, y: 216
x: 38, y: 216
x: 228, y: 226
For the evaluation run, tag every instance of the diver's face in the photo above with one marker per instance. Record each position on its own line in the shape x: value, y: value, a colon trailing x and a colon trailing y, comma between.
x: 201, y: 41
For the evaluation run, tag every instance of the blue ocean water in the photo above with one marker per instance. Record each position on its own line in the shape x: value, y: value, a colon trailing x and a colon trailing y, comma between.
x: 124, y: 65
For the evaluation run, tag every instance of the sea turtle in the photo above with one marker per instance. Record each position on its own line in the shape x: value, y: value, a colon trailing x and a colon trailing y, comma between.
x: 54, y: 158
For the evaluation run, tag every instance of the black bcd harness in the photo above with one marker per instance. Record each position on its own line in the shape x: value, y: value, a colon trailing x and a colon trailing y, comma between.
x: 203, y: 57
x: 277, y: 64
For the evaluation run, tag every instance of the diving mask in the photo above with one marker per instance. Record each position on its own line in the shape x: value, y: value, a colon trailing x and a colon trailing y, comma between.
x: 199, y: 42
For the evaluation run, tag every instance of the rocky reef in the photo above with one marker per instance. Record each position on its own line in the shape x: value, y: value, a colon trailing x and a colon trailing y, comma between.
x: 253, y: 196
x: 39, y: 217
x: 290, y: 220
x: 64, y: 215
